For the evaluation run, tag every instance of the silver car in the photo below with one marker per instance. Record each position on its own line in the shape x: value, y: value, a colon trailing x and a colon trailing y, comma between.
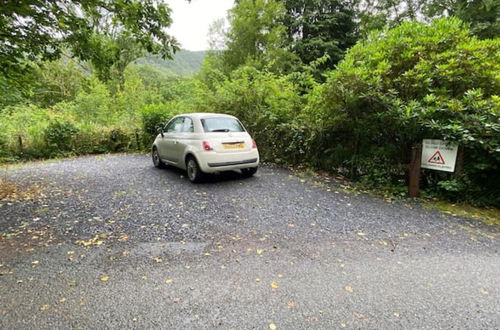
x: 205, y: 143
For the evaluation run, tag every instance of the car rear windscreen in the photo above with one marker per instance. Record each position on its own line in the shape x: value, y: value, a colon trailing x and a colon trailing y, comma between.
x: 222, y: 124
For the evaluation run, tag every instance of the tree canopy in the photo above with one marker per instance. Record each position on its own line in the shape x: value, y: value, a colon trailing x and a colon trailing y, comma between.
x: 41, y: 29
x: 318, y: 27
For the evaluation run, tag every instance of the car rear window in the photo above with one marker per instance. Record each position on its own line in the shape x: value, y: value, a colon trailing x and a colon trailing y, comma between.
x: 222, y: 124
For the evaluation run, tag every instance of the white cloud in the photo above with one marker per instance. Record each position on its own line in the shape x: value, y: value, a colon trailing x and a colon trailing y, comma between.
x: 192, y: 20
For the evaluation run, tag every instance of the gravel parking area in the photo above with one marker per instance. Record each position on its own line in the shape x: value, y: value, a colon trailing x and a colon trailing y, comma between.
x: 112, y: 242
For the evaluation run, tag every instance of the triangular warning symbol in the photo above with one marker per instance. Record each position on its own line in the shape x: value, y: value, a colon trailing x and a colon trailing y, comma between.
x: 437, y: 158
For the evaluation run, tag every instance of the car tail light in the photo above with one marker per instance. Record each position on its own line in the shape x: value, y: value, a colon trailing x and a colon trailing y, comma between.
x: 206, y: 146
x: 254, y: 145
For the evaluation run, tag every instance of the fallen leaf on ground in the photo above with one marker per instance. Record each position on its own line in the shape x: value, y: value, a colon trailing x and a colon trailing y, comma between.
x: 169, y: 281
x: 104, y: 278
x: 274, y: 285
x: 396, y: 314
x: 359, y: 315
x: 177, y: 299
x: 272, y: 326
x: 291, y: 304
x: 44, y: 307
x: 96, y: 240
x: 259, y: 251
x: 349, y: 289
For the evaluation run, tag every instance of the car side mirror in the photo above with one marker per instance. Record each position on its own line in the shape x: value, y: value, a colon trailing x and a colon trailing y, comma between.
x: 160, y: 131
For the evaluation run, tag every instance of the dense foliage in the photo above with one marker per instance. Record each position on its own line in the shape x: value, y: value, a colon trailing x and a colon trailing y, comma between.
x: 411, y: 83
x: 108, y: 33
x: 294, y: 73
x: 319, y: 27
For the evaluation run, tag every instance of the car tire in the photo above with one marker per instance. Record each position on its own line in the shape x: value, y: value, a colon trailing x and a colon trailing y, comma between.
x: 248, y: 172
x: 193, y: 170
x: 156, y: 159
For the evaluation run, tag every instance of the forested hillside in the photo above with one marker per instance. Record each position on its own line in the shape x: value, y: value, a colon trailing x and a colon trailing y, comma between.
x: 184, y: 63
x: 345, y: 87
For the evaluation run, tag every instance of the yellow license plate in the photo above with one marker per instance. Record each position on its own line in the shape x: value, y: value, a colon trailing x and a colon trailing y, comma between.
x: 233, y: 145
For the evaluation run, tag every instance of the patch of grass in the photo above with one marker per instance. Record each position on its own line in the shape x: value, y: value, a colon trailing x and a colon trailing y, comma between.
x: 120, y: 193
x: 490, y: 216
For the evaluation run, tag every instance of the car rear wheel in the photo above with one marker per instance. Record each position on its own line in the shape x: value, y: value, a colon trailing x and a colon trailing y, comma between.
x: 193, y: 170
x: 248, y: 172
x: 156, y: 158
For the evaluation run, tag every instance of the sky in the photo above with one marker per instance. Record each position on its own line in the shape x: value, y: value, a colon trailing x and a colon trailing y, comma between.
x: 191, y: 20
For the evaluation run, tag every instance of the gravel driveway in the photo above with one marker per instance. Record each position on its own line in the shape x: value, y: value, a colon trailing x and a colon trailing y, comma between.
x: 112, y: 242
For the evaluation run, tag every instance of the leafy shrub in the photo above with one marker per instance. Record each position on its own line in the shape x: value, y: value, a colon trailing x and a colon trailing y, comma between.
x: 412, y: 82
x: 268, y: 106
x: 155, y: 116
x: 118, y: 140
x: 94, y: 104
x: 59, y: 136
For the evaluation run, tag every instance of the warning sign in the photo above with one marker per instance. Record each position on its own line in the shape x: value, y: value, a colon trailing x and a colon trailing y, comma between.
x: 438, y: 155
x: 437, y: 158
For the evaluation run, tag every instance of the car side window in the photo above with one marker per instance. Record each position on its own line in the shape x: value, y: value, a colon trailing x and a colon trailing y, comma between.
x: 175, y: 126
x: 188, y: 125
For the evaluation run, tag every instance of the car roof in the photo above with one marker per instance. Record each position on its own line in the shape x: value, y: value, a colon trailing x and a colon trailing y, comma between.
x: 200, y: 115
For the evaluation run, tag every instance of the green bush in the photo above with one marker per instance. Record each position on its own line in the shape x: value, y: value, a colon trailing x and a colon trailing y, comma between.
x: 59, y: 136
x: 118, y: 140
x: 413, y: 82
x: 268, y: 106
x: 94, y: 104
x: 155, y: 116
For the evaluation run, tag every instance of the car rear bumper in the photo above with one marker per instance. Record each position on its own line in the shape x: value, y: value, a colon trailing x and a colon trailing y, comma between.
x: 238, y: 162
x: 211, y: 162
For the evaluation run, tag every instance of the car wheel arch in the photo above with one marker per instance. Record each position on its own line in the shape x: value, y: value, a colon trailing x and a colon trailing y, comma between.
x: 189, y: 155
